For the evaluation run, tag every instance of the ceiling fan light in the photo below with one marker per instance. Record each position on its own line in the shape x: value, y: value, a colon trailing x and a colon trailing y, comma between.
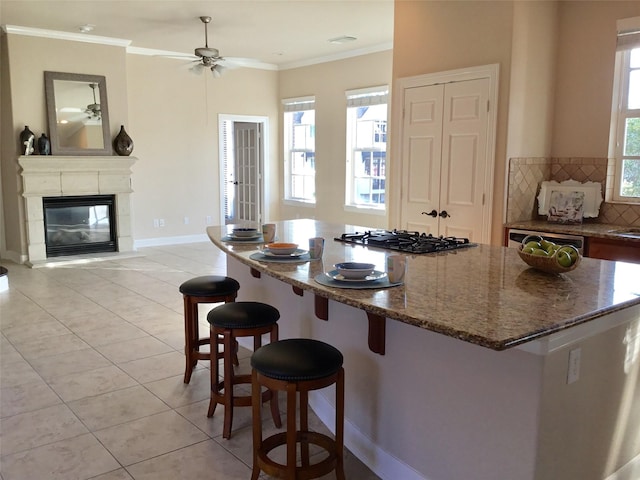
x: 197, y: 68
x: 217, y: 70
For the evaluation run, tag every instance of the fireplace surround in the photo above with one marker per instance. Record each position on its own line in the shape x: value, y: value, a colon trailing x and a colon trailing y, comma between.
x: 63, y: 176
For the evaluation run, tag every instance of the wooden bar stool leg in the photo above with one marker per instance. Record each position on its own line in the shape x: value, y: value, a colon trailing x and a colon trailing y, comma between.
x: 188, y: 340
x: 291, y: 431
x: 214, y: 342
x: 256, y: 405
x: 304, y: 427
x: 228, y: 344
x: 339, y: 437
x: 236, y: 347
x: 275, y: 408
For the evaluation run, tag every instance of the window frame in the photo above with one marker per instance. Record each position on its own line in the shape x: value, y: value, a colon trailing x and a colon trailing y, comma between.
x: 371, y: 96
x: 292, y: 106
x: 628, y: 40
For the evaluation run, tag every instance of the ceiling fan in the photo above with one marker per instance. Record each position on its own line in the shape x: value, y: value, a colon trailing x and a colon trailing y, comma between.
x: 208, y: 57
x: 93, y: 109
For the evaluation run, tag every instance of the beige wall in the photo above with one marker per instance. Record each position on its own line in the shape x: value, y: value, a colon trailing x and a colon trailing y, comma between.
x: 328, y: 82
x: 532, y: 82
x: 437, y: 36
x: 174, y: 126
x: 585, y: 62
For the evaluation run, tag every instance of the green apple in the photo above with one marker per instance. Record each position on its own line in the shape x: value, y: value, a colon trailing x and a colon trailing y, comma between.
x: 533, y: 244
x: 531, y: 238
x: 572, y: 251
x: 551, y: 249
x: 564, y: 259
x: 546, y: 244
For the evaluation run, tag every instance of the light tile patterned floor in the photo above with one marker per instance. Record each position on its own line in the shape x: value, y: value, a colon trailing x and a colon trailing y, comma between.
x: 91, y: 366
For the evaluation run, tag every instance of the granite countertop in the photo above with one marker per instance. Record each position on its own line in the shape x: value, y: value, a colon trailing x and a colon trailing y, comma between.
x: 484, y: 295
x: 586, y: 229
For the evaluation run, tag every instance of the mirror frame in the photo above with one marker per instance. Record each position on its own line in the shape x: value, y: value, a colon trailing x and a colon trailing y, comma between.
x: 56, y: 149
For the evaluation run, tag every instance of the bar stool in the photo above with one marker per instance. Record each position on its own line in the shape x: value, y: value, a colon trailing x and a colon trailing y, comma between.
x: 205, y: 289
x: 227, y: 323
x: 297, y: 365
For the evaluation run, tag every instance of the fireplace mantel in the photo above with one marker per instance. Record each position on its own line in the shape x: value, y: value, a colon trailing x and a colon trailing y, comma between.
x: 57, y: 176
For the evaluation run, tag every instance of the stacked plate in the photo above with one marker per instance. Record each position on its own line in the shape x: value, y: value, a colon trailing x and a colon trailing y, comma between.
x: 243, y: 235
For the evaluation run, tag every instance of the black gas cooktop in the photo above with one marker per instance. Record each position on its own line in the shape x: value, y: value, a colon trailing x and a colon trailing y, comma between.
x: 405, y: 241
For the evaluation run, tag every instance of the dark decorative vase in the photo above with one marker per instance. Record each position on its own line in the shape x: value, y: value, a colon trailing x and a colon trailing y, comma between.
x: 27, y: 141
x: 122, y: 144
x: 44, y: 145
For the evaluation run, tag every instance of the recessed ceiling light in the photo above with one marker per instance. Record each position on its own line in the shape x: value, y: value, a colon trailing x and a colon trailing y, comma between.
x: 86, y: 28
x: 342, y: 39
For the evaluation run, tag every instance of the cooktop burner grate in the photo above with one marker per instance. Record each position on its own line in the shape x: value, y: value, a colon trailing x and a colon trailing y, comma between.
x: 405, y: 241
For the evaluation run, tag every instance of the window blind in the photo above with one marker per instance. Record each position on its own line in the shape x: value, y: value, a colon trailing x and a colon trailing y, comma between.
x: 299, y: 104
x: 367, y: 96
x: 628, y: 34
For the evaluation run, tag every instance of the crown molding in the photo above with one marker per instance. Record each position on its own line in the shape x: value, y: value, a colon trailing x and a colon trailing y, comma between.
x: 119, y: 42
x: 338, y: 56
x: 58, y: 35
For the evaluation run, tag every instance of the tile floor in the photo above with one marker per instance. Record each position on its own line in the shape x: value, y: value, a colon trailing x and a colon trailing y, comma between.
x: 91, y: 372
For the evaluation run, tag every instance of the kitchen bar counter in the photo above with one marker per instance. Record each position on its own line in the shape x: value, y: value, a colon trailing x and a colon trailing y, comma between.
x: 484, y: 295
x: 585, y: 229
x: 491, y: 370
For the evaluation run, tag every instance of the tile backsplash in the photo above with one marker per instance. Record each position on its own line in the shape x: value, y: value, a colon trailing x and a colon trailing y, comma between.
x: 526, y: 174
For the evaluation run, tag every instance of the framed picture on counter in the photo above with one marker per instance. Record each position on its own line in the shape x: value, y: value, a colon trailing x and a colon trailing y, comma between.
x: 566, y: 207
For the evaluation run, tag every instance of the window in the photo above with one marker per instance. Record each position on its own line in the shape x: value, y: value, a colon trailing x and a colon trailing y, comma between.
x: 366, y: 147
x: 300, y: 149
x: 626, y: 121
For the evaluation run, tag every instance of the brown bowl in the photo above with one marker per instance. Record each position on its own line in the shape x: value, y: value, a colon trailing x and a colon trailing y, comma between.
x: 547, y: 264
x: 281, y: 248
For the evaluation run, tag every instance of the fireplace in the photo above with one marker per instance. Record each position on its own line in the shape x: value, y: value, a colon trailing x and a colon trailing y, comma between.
x: 67, y: 179
x: 79, y: 224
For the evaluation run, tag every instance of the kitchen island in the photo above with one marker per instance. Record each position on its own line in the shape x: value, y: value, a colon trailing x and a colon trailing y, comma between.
x: 462, y: 372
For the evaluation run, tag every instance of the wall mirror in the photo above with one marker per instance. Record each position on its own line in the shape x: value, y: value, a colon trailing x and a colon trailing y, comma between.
x: 78, y: 114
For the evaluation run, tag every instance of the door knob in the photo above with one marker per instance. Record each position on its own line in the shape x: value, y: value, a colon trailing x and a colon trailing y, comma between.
x: 231, y: 181
x: 443, y: 214
x: 432, y: 213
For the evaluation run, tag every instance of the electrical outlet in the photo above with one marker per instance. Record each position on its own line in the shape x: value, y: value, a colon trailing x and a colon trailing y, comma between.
x: 161, y: 222
x: 208, y: 219
x: 156, y: 223
x: 573, y: 373
x: 186, y: 220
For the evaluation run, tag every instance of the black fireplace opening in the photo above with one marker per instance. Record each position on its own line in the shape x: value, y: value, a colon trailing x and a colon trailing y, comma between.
x: 80, y: 224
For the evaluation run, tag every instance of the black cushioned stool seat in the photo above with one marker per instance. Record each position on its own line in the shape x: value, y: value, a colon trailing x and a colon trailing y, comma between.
x: 297, y: 365
x: 205, y: 289
x: 227, y: 323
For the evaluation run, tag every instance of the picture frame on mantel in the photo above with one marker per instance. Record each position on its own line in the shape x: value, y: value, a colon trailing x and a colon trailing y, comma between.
x: 77, y: 114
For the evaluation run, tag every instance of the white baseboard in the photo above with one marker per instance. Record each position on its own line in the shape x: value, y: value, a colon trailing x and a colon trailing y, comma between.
x: 629, y: 471
x: 156, y: 242
x: 386, y: 466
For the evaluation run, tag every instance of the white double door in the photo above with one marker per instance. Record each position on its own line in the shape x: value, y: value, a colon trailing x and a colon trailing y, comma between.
x: 444, y: 159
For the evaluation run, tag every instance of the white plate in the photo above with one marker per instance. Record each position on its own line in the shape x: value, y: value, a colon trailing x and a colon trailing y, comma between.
x: 298, y: 253
x: 376, y: 275
x: 253, y: 237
